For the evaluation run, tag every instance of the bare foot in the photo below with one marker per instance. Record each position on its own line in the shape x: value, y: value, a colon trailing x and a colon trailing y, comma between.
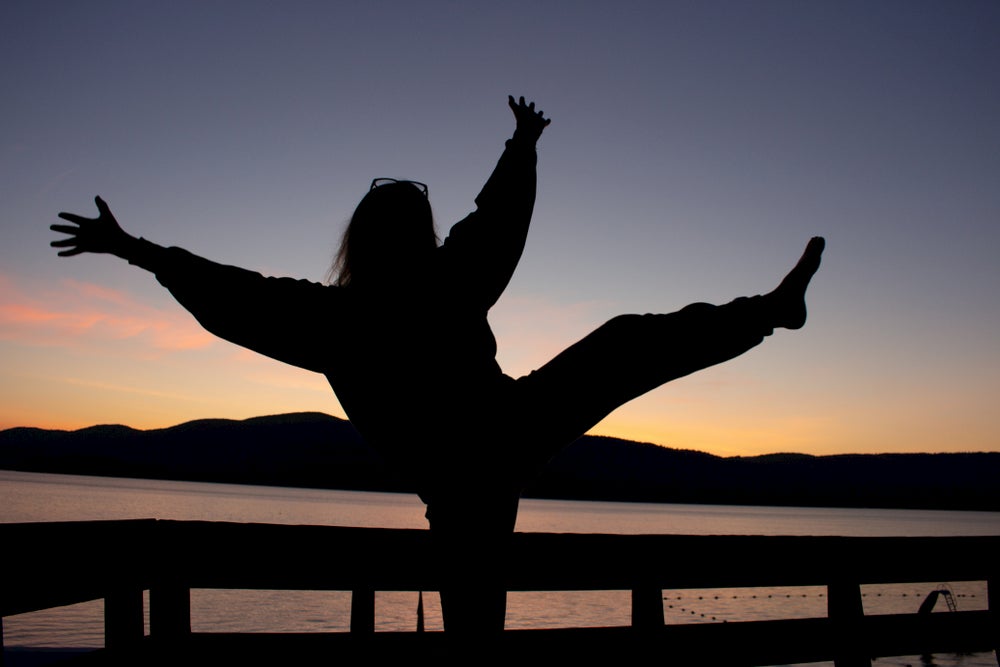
x: 788, y: 300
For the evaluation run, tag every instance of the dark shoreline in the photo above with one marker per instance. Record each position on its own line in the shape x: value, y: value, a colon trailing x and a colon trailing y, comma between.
x: 313, y: 450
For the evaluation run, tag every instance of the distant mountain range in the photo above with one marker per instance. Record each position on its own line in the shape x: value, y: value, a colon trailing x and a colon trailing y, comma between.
x: 320, y: 451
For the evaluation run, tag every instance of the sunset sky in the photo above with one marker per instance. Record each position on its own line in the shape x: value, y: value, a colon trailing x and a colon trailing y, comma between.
x: 694, y: 148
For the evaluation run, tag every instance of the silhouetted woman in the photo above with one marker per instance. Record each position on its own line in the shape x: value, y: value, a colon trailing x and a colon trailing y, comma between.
x: 403, y: 338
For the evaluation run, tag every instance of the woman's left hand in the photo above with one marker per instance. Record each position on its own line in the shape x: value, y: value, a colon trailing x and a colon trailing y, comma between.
x: 530, y: 123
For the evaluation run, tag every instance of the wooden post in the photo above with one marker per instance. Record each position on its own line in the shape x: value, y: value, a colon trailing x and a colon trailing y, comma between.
x: 170, y: 610
x: 420, y: 611
x: 847, y: 614
x: 363, y: 611
x: 123, y: 617
x: 993, y: 604
x: 647, y: 607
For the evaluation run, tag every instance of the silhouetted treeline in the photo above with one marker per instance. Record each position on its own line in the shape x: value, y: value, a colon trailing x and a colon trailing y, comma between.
x: 317, y: 450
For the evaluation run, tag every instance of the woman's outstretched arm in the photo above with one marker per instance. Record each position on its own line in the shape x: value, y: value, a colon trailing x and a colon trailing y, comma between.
x: 281, y: 318
x: 485, y: 247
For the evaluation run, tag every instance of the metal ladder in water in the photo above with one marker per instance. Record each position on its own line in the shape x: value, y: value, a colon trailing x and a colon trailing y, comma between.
x: 942, y: 591
x: 949, y: 599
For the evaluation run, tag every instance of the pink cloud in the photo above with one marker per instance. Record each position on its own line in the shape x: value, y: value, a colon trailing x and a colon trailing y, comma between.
x: 86, y: 313
x: 101, y: 293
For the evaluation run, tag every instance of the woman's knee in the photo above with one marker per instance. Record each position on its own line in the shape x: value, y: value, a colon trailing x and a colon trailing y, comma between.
x: 622, y: 322
x: 625, y: 324
x: 630, y: 324
x: 699, y: 309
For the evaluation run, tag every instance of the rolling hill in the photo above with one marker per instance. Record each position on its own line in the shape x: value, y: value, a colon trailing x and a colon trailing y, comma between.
x: 317, y: 450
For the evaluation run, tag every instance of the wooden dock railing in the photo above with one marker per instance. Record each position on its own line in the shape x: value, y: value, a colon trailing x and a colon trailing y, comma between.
x: 46, y: 565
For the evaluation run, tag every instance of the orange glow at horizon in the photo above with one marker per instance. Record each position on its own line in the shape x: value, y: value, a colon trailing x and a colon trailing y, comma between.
x: 86, y: 354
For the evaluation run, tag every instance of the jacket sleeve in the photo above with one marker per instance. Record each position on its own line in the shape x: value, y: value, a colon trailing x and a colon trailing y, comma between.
x: 282, y: 318
x: 483, y: 249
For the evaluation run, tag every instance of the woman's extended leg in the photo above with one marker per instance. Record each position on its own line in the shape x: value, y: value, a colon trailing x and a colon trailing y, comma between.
x: 633, y: 354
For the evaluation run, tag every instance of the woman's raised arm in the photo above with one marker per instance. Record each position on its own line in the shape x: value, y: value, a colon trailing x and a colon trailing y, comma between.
x: 484, y: 248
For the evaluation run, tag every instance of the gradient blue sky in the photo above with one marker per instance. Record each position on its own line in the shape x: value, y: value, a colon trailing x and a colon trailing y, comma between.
x: 694, y: 148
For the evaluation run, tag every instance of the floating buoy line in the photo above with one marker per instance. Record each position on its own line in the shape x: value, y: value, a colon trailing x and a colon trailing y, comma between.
x: 692, y: 600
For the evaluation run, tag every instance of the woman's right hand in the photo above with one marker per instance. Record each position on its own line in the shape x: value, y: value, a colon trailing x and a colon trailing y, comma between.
x: 102, y: 234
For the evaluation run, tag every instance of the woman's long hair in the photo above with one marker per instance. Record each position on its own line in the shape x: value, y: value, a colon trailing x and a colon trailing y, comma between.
x: 390, y: 234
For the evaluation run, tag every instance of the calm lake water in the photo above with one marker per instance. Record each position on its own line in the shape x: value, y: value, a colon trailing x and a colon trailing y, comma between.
x: 41, y: 497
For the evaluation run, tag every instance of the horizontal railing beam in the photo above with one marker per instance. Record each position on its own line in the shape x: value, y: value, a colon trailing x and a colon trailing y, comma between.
x: 117, y: 560
x: 228, y: 555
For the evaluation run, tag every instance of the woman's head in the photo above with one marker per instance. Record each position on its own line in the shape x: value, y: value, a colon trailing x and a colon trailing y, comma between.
x: 390, y: 235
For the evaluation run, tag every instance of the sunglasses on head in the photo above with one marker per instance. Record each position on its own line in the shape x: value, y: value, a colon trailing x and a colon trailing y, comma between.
x: 386, y: 181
